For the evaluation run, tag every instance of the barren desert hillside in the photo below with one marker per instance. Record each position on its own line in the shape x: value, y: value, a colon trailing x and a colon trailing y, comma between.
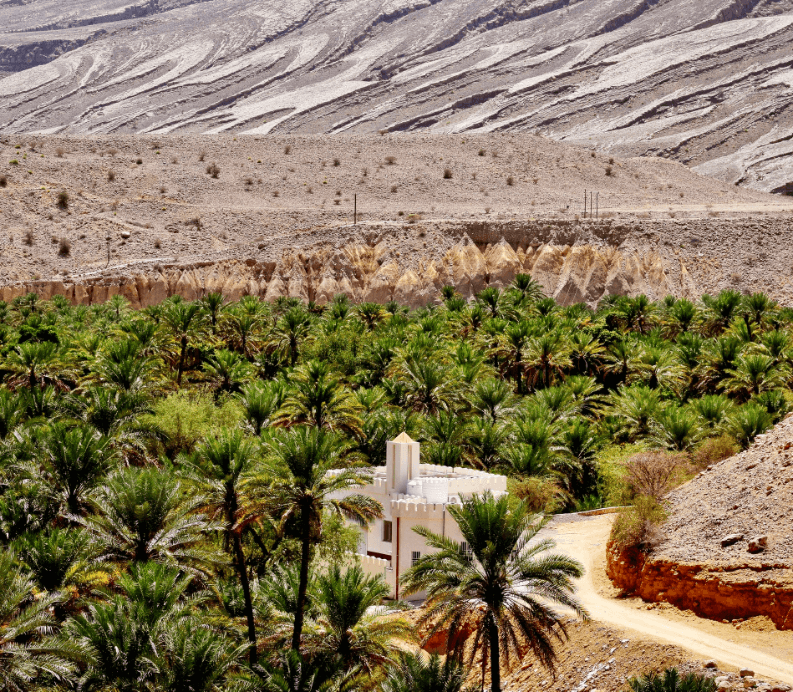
x: 708, y: 83
x: 152, y: 216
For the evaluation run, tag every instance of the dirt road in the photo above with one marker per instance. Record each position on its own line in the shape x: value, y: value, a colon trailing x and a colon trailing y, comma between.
x: 585, y: 539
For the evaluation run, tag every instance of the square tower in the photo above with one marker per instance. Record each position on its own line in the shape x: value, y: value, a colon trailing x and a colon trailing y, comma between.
x: 402, y: 463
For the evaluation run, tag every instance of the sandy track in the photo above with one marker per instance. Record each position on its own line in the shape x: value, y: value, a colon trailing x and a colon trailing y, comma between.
x: 586, y: 540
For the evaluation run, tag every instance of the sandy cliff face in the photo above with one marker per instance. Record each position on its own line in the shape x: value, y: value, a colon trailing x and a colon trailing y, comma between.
x: 572, y: 261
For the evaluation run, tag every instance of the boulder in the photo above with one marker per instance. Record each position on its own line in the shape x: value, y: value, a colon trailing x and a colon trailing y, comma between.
x: 731, y: 539
x: 757, y: 544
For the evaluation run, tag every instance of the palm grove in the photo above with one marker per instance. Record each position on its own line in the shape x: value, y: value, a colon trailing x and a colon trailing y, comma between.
x: 169, y: 521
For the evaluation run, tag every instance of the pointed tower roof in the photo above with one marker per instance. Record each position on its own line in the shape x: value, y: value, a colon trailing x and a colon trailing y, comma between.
x: 403, y: 438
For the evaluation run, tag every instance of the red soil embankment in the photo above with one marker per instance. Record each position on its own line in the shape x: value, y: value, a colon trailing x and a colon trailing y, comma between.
x: 718, y: 592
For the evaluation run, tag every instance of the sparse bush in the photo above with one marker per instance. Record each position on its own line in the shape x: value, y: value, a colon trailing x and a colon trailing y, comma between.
x: 611, y: 161
x: 64, y: 247
x: 510, y: 181
x: 195, y: 221
x: 336, y: 163
x: 714, y: 450
x: 654, y: 474
x: 3, y: 181
x: 393, y: 189
x: 288, y: 149
x: 276, y: 193
x: 202, y: 156
x: 163, y: 189
x: 27, y: 238
x: 539, y: 494
x: 482, y: 152
x: 59, y: 152
x: 390, y: 160
x: 636, y: 526
x: 609, y: 171
x: 447, y: 173
x: 139, y: 162
x: 157, y: 243
x: 213, y: 170
x: 111, y: 176
x: 63, y: 199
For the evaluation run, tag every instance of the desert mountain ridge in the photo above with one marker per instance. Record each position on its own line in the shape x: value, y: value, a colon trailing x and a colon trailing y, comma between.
x: 707, y: 83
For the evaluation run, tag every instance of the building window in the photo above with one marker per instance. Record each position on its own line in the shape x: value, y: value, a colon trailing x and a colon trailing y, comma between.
x: 415, y: 555
x: 465, y: 549
x: 387, y: 531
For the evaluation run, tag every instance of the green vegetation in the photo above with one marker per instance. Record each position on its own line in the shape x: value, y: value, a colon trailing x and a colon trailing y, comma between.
x: 671, y: 681
x: 168, y: 521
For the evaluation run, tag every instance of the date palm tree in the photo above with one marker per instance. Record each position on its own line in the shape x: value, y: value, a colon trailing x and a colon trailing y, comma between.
x: 26, y: 650
x: 505, y: 586
x: 303, y: 472
x: 671, y: 681
x: 290, y: 331
x: 260, y: 401
x: 145, y: 514
x: 317, y: 398
x: 186, y: 322
x: 414, y: 672
x: 216, y: 469
x: 347, y: 623
x: 75, y: 460
x: 33, y: 359
x: 753, y: 374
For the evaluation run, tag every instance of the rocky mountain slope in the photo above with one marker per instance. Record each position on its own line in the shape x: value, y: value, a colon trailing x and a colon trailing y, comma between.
x: 727, y: 549
x: 149, y: 217
x: 708, y: 83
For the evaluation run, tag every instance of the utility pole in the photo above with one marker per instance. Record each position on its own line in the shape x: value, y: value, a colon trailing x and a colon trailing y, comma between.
x: 355, y: 210
x: 107, y: 238
x: 584, y: 203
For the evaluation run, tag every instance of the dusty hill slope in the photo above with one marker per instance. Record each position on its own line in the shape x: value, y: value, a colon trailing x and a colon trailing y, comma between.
x: 727, y: 550
x: 144, y: 217
x: 707, y: 82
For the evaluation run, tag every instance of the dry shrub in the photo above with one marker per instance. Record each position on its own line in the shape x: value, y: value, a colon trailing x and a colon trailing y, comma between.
x: 482, y: 152
x: 337, y: 162
x: 447, y: 173
x: 609, y: 171
x: 393, y: 189
x: 111, y: 176
x: 202, y: 156
x: 510, y: 181
x: 3, y: 181
x: 638, y: 525
x: 112, y: 152
x: 139, y: 162
x: 540, y: 494
x: 64, y: 247
x: 715, y: 450
x: 213, y: 170
x: 157, y: 243
x: 654, y: 474
x: 27, y: 239
x: 59, y: 152
x: 195, y: 221
x: 390, y: 160
x: 288, y: 149
x: 63, y: 199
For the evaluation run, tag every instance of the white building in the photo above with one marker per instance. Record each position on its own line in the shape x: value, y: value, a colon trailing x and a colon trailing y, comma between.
x: 414, y: 494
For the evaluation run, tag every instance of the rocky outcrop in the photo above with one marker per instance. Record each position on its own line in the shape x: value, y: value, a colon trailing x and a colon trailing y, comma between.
x: 720, y: 592
x: 571, y: 274
x: 725, y: 551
